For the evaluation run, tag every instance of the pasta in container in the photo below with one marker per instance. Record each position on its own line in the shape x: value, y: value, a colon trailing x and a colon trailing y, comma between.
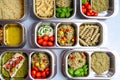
x: 90, y: 35
x: 44, y: 8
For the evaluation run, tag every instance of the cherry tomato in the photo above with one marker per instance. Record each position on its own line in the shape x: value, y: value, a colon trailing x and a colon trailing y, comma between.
x: 33, y: 73
x: 44, y: 43
x: 86, y: 4
x: 84, y: 10
x: 45, y: 38
x: 90, y: 11
x: 83, y: 7
x: 88, y: 7
x: 17, y: 62
x: 50, y: 43
x: 88, y: 14
x: 7, y: 66
x: 43, y: 74
x: 51, y: 38
x: 47, y: 69
x: 95, y: 14
x: 39, y: 37
x: 13, y: 65
x: 47, y: 73
x: 44, y: 60
x: 40, y: 41
x: 35, y: 68
x: 38, y: 74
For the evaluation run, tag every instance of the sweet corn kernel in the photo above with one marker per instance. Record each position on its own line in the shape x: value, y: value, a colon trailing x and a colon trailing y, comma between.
x: 42, y: 66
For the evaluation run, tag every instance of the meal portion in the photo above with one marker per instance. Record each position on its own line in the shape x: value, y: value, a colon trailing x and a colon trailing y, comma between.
x: 40, y: 65
x: 11, y: 10
x: 1, y: 35
x: 44, y: 8
x: 77, y: 64
x: 66, y: 35
x: 94, y: 7
x: 90, y: 35
x: 100, y: 5
x: 14, y: 65
x: 45, y: 35
x: 13, y: 35
x: 100, y: 62
x: 64, y: 8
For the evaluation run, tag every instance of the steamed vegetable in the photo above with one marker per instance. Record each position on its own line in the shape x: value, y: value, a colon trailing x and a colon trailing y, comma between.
x: 64, y: 12
x: 80, y: 72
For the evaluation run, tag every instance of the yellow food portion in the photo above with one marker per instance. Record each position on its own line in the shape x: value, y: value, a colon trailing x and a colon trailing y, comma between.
x: 44, y: 8
x: 11, y: 9
x: 13, y: 35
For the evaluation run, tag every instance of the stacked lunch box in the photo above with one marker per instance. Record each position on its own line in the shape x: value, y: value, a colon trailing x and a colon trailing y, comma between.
x: 72, y: 28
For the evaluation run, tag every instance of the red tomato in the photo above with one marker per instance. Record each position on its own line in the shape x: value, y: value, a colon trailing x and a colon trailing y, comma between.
x: 83, y: 6
x: 38, y: 74
x: 17, y: 62
x: 43, y: 74
x: 86, y: 4
x: 13, y: 65
x: 88, y: 14
x: 35, y: 68
x: 50, y: 43
x: 51, y: 38
x: 90, y: 11
x: 39, y: 37
x: 7, y: 66
x: 47, y: 69
x: 47, y: 73
x: 84, y: 10
x: 44, y: 43
x: 44, y: 60
x: 33, y: 73
x: 45, y: 38
x: 40, y: 41
x: 88, y: 7
x: 95, y: 14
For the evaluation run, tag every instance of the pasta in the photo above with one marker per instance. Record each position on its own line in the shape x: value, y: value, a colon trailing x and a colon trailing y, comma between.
x: 11, y: 9
x: 89, y: 35
x: 63, y: 3
x: 44, y: 8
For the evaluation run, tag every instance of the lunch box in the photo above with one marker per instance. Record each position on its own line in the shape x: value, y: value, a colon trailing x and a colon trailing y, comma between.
x: 110, y: 73
x: 76, y: 24
x: 6, y: 27
x: 29, y: 53
x: 111, y: 12
x: 54, y: 13
x: 25, y: 13
x: 78, y: 14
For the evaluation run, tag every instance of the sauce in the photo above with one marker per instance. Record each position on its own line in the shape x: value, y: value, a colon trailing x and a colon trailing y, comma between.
x: 13, y: 35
